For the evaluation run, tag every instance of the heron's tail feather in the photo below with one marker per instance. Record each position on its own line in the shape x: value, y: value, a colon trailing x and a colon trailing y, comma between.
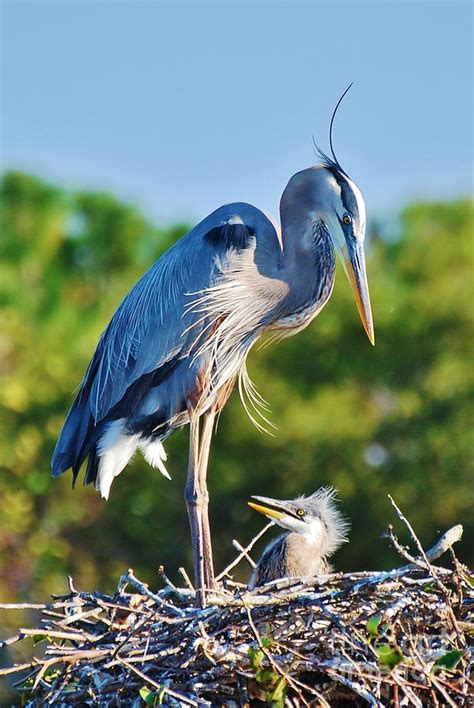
x: 65, y: 452
x: 79, y: 432
x: 77, y: 439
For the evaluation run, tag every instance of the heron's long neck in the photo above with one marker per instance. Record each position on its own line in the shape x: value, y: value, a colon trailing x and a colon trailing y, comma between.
x: 309, y: 263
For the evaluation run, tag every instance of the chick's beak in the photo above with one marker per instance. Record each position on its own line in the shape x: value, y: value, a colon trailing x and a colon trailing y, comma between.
x: 266, y: 510
x: 353, y: 261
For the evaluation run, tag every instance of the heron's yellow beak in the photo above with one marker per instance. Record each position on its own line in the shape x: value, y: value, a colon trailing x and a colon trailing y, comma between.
x: 353, y: 261
x: 266, y: 510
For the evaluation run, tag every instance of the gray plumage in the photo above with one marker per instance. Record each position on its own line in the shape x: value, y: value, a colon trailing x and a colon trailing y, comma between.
x: 315, y: 530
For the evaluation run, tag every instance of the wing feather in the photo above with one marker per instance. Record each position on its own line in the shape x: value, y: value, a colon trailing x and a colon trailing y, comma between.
x: 153, y: 326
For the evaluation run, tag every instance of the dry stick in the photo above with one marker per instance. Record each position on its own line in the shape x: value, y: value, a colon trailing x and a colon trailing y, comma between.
x: 430, y: 677
x: 68, y: 658
x: 16, y: 668
x: 22, y: 606
x: 356, y: 669
x: 415, y: 538
x: 358, y: 690
x: 452, y: 535
x: 168, y: 583
x: 245, y: 551
x: 445, y: 542
x: 448, y: 539
x: 322, y: 700
x: 11, y: 640
x: 410, y: 695
x: 270, y: 658
x: 72, y: 636
x: 186, y: 579
x: 239, y: 547
x: 62, y: 685
x: 130, y: 578
x: 70, y: 583
x: 129, y: 636
x: 401, y: 550
x: 45, y: 666
x: 158, y: 686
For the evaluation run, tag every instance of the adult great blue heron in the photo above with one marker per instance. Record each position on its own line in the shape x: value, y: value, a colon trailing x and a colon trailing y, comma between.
x: 315, y: 530
x: 175, y: 346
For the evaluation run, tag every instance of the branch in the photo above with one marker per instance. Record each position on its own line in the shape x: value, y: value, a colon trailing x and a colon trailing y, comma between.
x: 129, y: 578
x: 415, y: 538
x: 245, y: 551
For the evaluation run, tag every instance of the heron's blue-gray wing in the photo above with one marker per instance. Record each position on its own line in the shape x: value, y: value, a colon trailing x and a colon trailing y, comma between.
x: 153, y: 327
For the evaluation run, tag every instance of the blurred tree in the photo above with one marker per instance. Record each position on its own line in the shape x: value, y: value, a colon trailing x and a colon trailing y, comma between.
x: 395, y: 419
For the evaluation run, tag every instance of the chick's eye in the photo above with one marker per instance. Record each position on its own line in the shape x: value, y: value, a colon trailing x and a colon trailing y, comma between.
x: 300, y: 512
x: 346, y: 219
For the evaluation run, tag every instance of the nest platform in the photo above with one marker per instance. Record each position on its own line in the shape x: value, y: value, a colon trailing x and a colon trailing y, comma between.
x: 396, y: 638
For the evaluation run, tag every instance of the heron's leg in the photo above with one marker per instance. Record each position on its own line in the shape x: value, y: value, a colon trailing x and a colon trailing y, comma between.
x: 207, y: 428
x: 193, y: 499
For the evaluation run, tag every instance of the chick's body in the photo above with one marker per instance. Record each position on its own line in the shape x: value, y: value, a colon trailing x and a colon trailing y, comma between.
x: 316, y: 529
x: 290, y: 555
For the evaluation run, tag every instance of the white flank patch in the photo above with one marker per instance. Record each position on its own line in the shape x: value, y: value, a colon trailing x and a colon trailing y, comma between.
x: 154, y: 453
x: 115, y: 450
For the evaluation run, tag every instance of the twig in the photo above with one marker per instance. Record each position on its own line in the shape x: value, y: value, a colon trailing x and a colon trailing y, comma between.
x: 239, y: 547
x: 320, y: 629
x: 447, y: 540
x: 173, y: 694
x: 245, y: 551
x: 186, y: 579
x: 143, y: 588
x: 418, y: 545
x: 284, y: 674
x: 168, y: 583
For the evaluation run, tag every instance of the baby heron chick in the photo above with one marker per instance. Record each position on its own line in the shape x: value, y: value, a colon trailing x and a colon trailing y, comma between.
x: 315, y: 529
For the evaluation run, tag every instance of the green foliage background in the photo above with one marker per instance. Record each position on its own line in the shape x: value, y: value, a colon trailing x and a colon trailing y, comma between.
x: 395, y: 419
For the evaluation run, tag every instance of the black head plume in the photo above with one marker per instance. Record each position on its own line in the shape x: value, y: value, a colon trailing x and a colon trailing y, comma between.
x: 332, y: 161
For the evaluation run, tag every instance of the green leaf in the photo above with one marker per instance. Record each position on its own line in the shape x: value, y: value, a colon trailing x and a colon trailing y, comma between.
x: 151, y: 698
x: 450, y: 660
x: 277, y: 696
x: 256, y: 657
x: 429, y: 587
x: 37, y: 638
x: 52, y: 673
x: 389, y: 656
x: 373, y: 624
x: 469, y: 579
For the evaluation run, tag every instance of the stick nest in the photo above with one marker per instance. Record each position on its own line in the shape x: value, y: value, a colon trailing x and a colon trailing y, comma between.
x: 386, y: 638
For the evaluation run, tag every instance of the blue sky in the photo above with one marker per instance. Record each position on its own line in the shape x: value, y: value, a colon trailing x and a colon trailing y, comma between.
x: 182, y: 106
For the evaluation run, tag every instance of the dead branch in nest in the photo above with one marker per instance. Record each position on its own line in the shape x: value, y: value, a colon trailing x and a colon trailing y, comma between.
x: 398, y: 637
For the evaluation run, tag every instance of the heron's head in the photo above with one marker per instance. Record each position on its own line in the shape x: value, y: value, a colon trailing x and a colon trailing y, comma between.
x: 316, y: 517
x: 323, y: 199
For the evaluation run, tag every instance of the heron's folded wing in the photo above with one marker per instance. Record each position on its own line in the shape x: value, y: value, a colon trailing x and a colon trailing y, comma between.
x: 154, y: 324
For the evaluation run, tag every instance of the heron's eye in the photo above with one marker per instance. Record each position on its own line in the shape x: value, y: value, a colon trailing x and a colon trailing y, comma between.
x: 346, y: 219
x: 300, y: 512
